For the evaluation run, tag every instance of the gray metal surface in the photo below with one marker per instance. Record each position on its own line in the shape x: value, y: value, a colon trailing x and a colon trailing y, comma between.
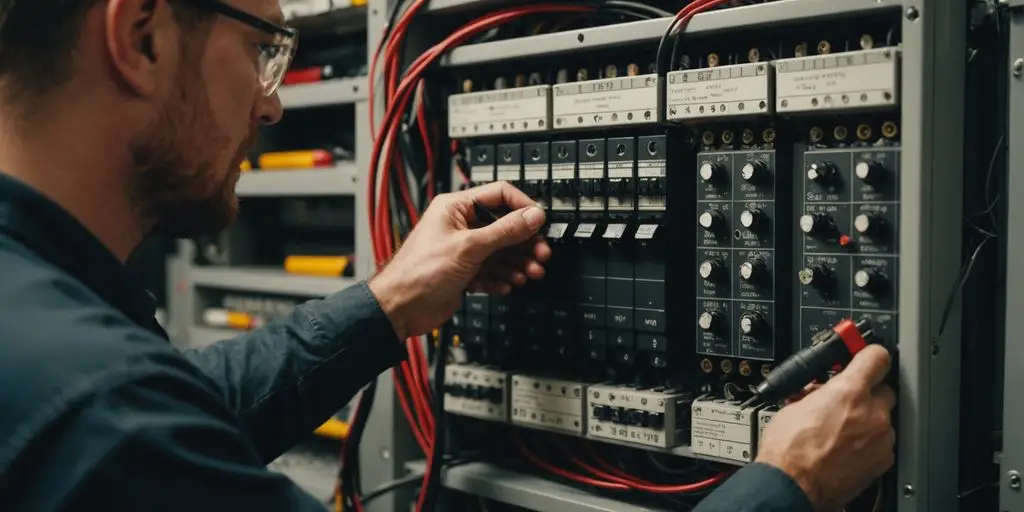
x: 1011, y: 494
x: 266, y: 280
x: 525, y: 490
x: 934, y: 33
x: 339, y: 91
x: 335, y: 181
x: 452, y: 6
x: 747, y: 17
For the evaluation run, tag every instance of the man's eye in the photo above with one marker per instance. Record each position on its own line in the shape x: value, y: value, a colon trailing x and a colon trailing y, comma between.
x: 268, y: 51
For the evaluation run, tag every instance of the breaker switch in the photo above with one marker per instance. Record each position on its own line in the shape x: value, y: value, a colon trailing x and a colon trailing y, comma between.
x: 869, y: 224
x: 752, y: 219
x: 753, y: 270
x: 711, y: 270
x: 712, y: 172
x: 816, y: 224
x: 753, y: 324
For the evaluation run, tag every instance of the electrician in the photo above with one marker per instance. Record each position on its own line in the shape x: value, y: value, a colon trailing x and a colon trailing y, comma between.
x: 120, y: 118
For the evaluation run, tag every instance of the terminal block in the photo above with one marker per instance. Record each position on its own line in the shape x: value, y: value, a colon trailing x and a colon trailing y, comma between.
x: 649, y: 417
x: 723, y: 430
x: 549, y: 404
x: 477, y: 392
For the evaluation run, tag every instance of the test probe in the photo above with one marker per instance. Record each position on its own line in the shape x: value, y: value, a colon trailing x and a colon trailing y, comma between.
x: 829, y: 348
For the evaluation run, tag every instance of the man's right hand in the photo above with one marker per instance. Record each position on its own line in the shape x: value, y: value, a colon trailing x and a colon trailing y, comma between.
x: 838, y: 439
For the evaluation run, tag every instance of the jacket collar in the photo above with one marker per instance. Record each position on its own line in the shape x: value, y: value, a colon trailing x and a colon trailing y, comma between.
x: 59, y: 239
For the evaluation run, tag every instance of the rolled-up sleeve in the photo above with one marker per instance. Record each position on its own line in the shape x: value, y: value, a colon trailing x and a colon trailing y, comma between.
x: 287, y: 378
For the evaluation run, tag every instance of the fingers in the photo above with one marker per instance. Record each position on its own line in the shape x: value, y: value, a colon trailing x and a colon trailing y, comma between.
x: 885, y: 397
x: 517, y: 260
x: 868, y: 368
x: 512, y: 229
x: 499, y: 194
x: 808, y: 389
x: 490, y: 286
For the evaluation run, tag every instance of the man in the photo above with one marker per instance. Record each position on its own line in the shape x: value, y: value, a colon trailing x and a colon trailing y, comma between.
x: 123, y: 117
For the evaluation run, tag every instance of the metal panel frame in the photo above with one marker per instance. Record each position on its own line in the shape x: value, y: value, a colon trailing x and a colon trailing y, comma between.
x: 747, y: 17
x: 934, y: 39
x: 387, y: 443
x: 1011, y: 496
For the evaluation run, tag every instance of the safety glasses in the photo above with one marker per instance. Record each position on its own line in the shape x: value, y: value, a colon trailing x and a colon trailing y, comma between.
x: 275, y: 56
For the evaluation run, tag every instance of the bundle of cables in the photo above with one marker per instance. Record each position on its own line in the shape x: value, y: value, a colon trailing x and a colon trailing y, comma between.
x: 405, y: 150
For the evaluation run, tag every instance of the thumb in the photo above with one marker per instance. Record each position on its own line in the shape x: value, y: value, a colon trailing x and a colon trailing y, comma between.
x: 512, y: 229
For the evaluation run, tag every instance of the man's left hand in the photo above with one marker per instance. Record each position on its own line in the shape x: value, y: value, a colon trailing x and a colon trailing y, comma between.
x: 444, y: 256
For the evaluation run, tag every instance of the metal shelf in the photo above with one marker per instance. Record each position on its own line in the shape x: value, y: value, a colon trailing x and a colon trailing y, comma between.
x: 345, y: 20
x: 338, y: 91
x: 331, y: 181
x: 267, y: 280
x: 450, y: 6
x: 524, y: 490
x: 746, y: 17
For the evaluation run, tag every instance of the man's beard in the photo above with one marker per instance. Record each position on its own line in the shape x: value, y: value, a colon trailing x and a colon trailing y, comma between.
x: 175, y: 186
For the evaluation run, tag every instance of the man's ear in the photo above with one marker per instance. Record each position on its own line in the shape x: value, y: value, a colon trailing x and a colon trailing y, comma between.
x: 137, y: 38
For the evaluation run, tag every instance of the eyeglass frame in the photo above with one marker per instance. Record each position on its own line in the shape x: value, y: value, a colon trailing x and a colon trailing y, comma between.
x: 269, y: 27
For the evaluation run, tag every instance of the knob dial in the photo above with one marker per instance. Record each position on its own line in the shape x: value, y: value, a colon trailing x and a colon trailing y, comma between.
x: 868, y: 171
x: 710, y: 269
x: 870, y: 280
x: 753, y: 269
x: 752, y: 324
x: 814, y: 223
x: 821, y: 172
x: 816, y: 275
x: 711, y: 172
x: 709, y: 320
x: 711, y: 219
x: 869, y: 223
x: 752, y: 218
x: 753, y: 171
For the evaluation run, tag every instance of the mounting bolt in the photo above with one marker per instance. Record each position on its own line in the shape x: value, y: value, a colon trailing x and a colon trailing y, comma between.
x: 908, y: 491
x: 1018, y: 67
x: 1013, y: 479
x: 912, y: 13
x: 385, y: 453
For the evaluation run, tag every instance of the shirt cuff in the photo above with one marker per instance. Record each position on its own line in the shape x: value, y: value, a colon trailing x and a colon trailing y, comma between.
x: 759, y: 487
x: 353, y: 321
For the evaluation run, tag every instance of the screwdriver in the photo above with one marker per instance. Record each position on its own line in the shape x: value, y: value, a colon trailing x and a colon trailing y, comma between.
x: 829, y: 348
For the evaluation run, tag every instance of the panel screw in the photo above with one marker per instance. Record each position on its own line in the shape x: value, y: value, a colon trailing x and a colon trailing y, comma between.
x: 1013, y: 479
x: 908, y: 491
x: 912, y: 13
x: 1018, y: 67
x: 385, y: 453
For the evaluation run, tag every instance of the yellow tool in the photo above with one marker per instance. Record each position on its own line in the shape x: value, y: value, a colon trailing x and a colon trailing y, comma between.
x: 325, y: 266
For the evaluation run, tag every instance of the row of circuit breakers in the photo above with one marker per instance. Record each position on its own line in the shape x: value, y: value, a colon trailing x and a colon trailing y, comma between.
x: 810, y: 221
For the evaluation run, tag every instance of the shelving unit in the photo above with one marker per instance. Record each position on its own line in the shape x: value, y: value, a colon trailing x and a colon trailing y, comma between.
x: 342, y: 180
x: 524, y: 490
x: 338, y: 91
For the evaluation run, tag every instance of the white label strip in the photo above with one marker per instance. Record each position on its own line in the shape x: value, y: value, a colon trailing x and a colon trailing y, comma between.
x: 607, y: 102
x: 841, y: 81
x: 726, y: 91
x: 506, y: 111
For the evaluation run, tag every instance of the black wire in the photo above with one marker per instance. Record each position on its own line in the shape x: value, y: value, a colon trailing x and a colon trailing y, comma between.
x: 437, y: 450
x: 637, y: 8
x: 350, y: 481
x: 965, y: 274
x: 391, y: 487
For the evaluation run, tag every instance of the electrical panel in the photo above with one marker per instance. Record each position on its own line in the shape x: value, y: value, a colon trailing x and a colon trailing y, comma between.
x: 705, y: 223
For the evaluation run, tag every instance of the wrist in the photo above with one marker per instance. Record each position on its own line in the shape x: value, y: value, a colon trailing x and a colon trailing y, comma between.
x: 392, y: 302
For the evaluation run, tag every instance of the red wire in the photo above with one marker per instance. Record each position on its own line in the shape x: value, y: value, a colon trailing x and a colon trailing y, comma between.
x: 537, y: 461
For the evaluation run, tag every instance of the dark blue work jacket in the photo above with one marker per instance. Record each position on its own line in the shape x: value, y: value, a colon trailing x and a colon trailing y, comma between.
x: 98, y: 412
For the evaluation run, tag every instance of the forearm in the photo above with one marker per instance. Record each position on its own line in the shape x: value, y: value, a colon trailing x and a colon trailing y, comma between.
x: 757, y: 488
x: 285, y: 379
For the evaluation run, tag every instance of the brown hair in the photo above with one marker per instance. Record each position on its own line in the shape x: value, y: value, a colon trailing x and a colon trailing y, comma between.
x: 38, y: 38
